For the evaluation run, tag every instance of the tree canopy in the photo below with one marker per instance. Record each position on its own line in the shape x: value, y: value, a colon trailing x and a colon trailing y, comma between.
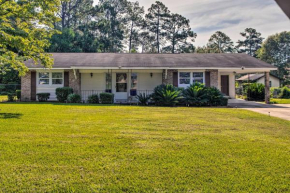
x: 251, y: 43
x: 276, y: 50
x: 25, y: 29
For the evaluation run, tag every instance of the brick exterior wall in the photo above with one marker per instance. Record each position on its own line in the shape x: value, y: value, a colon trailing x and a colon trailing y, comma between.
x: 214, y: 76
x: 169, y: 78
x: 26, y: 87
x: 75, y: 82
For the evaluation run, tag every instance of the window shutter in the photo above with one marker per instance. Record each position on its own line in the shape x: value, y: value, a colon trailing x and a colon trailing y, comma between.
x: 175, y: 79
x: 207, y: 79
x: 33, y: 86
x: 66, y: 79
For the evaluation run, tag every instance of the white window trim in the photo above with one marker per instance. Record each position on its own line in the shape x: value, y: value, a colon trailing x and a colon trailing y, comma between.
x: 191, y: 77
x: 50, y: 79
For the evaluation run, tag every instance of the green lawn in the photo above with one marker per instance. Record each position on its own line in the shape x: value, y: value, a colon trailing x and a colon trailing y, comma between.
x: 280, y: 101
x: 82, y: 148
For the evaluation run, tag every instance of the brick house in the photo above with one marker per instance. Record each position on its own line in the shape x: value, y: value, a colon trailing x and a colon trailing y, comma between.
x: 126, y: 75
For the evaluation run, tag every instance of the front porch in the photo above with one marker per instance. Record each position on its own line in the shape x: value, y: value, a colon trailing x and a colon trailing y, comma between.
x: 126, y: 84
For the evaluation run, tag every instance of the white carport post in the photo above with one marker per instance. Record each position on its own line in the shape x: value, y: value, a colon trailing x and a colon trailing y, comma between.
x: 267, y: 87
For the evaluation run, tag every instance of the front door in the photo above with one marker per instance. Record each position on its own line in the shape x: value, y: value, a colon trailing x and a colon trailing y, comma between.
x: 121, y: 86
x: 225, y: 84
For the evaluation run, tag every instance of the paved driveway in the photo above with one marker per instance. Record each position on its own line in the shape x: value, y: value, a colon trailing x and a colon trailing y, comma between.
x: 276, y: 110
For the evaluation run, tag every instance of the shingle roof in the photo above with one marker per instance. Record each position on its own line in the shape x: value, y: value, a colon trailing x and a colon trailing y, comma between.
x: 253, y: 77
x: 107, y: 60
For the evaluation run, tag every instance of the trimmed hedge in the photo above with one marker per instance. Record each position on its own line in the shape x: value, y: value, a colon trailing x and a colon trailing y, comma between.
x: 93, y: 99
x: 254, y: 91
x: 62, y: 93
x: 43, y: 97
x: 74, y: 98
x: 285, y: 93
x: 107, y: 98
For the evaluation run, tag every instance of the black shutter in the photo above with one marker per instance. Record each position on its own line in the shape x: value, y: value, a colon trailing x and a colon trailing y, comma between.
x: 207, y: 79
x: 66, y: 79
x: 175, y: 79
x: 33, y: 86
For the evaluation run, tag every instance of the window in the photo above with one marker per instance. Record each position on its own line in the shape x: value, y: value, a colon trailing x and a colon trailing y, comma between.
x: 50, y: 78
x: 121, y: 82
x: 270, y: 83
x: 57, y: 78
x: 43, y: 78
x: 134, y: 81
x: 184, y: 78
x: 197, y: 77
x: 108, y: 81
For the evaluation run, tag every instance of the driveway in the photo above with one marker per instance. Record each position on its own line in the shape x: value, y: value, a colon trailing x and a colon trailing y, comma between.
x: 276, y: 110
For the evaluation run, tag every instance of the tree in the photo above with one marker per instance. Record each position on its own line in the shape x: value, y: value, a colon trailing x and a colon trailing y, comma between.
x: 155, y: 18
x: 220, y: 43
x: 135, y: 19
x: 276, y: 50
x: 145, y: 40
x: 203, y: 49
x: 252, y: 42
x: 110, y: 18
x: 73, y: 12
x: 178, y: 32
x: 25, y: 29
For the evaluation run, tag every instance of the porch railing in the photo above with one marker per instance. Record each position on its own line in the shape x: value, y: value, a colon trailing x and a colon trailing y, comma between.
x: 146, y: 92
x: 86, y: 93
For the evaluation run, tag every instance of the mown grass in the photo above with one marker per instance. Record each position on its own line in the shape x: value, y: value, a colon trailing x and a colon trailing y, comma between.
x: 83, y: 148
x: 280, y: 101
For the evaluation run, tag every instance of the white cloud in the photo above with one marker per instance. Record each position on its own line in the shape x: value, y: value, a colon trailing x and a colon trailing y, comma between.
x: 229, y: 16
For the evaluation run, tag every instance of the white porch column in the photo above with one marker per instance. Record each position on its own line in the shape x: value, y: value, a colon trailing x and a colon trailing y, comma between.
x: 267, y: 87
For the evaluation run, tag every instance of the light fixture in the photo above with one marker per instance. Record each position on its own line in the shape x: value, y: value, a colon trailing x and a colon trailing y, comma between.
x: 243, y: 67
x: 151, y: 74
x: 92, y: 75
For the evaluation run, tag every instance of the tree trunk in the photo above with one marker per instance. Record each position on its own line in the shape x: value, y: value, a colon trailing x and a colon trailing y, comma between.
x: 158, y: 49
x: 130, y: 40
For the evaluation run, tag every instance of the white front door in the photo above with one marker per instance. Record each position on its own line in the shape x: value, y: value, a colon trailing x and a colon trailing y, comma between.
x: 121, y: 86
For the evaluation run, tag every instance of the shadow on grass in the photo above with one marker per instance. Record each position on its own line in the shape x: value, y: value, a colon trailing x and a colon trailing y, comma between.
x: 10, y: 115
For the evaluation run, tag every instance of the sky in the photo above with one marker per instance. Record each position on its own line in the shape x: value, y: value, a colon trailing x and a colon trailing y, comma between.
x: 229, y: 16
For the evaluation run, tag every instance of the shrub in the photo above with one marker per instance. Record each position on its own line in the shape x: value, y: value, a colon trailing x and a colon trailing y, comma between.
x: 107, y: 98
x: 195, y: 95
x: 93, y: 99
x: 285, y: 93
x: 215, y: 97
x: 18, y: 94
x: 43, y: 97
x: 166, y: 95
x: 62, y: 93
x: 143, y: 99
x: 275, y: 92
x: 254, y: 91
x: 11, y: 97
x: 4, y: 93
x: 74, y: 98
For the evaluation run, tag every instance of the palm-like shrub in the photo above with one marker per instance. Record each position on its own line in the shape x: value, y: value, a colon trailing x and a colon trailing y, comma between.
x: 166, y: 95
x: 143, y: 99
x: 196, y: 95
x: 215, y: 97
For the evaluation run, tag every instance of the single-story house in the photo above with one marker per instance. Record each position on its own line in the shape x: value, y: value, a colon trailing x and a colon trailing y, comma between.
x: 126, y: 75
x: 260, y: 78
